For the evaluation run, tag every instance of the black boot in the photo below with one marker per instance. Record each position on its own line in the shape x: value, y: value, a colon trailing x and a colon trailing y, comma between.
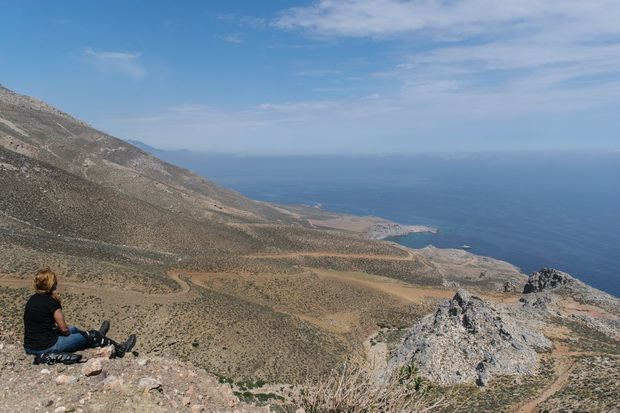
x: 93, y: 338
x: 96, y: 339
x: 126, y: 347
x: 105, y: 326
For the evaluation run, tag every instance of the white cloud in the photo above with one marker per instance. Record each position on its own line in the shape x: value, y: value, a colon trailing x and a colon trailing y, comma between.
x: 436, y: 75
x: 318, y: 73
x: 443, y: 19
x: 423, y: 121
x: 112, y: 55
x: 294, y: 106
x: 189, y: 108
x: 127, y: 63
x: 483, y: 57
x: 254, y: 22
x: 234, y: 38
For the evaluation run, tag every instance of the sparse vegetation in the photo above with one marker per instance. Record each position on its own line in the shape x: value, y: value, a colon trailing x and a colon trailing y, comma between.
x: 350, y: 389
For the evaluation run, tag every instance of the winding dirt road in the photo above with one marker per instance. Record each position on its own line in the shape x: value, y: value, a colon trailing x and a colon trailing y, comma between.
x: 118, y: 295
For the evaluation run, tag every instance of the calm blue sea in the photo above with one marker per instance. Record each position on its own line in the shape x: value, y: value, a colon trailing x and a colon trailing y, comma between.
x: 539, y: 210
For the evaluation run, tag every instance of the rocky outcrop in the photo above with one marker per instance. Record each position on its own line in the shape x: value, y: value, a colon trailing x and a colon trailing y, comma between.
x: 546, y: 278
x: 546, y: 286
x: 469, y: 340
x: 462, y: 269
x: 556, y: 293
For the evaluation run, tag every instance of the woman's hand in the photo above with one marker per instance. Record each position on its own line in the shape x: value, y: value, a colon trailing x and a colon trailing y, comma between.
x: 59, y: 318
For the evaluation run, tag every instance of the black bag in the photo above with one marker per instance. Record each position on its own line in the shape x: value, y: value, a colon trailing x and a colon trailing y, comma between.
x: 53, y: 357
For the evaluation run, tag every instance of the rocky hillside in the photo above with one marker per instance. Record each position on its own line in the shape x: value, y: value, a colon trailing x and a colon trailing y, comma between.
x: 546, y: 283
x: 554, y: 349
x: 469, y: 339
x: 34, y: 129
x: 40, y: 197
x: 553, y: 292
x: 102, y: 384
x: 60, y: 177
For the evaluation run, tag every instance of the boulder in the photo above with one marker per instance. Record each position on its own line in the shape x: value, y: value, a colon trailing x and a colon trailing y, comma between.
x: 92, y: 367
x: 113, y: 383
x: 105, y: 352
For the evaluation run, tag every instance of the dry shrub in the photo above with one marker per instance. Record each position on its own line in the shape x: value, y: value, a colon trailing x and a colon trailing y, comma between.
x: 352, y: 390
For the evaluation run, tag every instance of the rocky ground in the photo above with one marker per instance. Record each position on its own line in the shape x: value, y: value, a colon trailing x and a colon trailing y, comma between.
x: 131, y: 384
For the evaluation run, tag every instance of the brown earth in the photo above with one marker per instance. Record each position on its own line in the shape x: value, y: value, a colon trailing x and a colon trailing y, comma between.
x: 343, y: 308
x: 236, y: 324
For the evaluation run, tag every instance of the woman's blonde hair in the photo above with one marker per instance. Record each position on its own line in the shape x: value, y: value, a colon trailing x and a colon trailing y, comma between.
x: 45, y: 282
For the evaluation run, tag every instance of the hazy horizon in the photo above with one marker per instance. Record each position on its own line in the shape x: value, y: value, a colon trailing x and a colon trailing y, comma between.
x: 532, y: 210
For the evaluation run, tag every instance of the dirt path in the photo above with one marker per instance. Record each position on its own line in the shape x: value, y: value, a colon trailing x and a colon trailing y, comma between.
x: 112, y: 294
x: 469, y: 261
x: 404, y: 291
x: 409, y: 257
x: 564, y: 365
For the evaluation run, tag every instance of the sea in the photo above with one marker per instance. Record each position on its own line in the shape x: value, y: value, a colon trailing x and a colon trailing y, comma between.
x: 534, y: 210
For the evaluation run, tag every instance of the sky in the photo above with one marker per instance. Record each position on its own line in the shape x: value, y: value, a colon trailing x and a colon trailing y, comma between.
x: 275, y: 77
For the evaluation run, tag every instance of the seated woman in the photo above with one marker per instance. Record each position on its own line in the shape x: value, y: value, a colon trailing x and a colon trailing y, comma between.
x: 46, y: 333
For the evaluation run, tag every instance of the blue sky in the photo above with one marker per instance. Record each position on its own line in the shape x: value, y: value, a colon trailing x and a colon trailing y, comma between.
x: 325, y: 76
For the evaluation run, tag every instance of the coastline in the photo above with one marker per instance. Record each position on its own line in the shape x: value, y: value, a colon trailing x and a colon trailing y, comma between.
x: 369, y: 227
x: 392, y: 229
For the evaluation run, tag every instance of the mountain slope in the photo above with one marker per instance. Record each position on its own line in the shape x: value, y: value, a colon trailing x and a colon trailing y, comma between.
x: 35, y: 129
x: 63, y: 204
x: 108, y: 190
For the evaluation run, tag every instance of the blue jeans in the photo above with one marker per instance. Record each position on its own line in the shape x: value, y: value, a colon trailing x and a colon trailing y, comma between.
x: 73, y: 342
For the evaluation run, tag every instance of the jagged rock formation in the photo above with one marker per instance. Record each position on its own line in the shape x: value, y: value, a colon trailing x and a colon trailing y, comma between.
x: 468, y: 340
x: 548, y: 282
x: 545, y: 279
x: 556, y: 293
